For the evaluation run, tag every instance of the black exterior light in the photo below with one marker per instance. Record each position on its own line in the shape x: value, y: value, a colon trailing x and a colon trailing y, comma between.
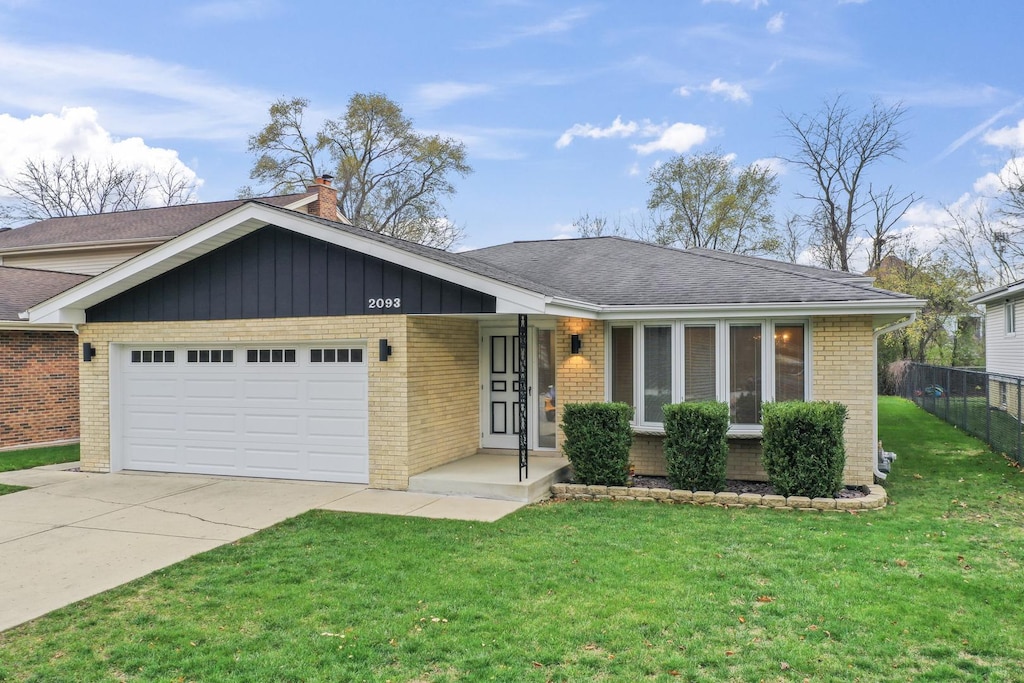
x: 575, y: 344
x: 88, y: 352
x: 385, y: 350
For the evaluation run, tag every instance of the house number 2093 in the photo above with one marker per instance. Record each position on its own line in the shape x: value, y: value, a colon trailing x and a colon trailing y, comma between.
x: 384, y: 303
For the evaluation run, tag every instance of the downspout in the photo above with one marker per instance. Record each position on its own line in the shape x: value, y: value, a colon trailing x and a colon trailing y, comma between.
x: 879, y: 475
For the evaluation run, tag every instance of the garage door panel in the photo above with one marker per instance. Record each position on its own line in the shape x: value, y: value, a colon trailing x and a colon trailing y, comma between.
x: 162, y: 390
x: 210, y: 424
x: 225, y: 389
x: 284, y: 390
x: 151, y: 423
x: 154, y: 454
x: 221, y: 459
x: 287, y: 420
x: 273, y: 459
x: 272, y: 425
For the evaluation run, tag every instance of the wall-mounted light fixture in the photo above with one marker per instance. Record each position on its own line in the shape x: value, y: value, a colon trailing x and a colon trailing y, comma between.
x: 575, y: 343
x: 88, y: 352
x: 385, y: 350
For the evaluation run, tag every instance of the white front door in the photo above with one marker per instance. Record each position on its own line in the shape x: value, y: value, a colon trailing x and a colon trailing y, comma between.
x: 499, y: 356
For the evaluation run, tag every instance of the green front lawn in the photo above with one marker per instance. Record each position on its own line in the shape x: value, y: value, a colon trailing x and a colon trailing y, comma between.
x: 928, y: 589
x: 36, y: 457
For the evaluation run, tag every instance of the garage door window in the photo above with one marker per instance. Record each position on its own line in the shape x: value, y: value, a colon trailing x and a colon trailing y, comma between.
x: 211, y: 356
x: 270, y: 355
x: 150, y: 356
x: 335, y: 355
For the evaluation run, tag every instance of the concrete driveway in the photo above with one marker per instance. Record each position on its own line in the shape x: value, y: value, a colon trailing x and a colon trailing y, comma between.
x: 78, y: 534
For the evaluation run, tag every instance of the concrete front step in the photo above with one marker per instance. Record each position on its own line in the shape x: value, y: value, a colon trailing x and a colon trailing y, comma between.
x: 488, y: 475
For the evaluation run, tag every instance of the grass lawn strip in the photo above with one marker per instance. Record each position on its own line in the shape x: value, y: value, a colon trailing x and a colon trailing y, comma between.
x: 6, y: 488
x: 37, y: 457
x: 927, y: 589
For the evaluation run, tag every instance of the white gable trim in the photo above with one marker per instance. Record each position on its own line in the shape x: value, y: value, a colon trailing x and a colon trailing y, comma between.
x: 70, y: 306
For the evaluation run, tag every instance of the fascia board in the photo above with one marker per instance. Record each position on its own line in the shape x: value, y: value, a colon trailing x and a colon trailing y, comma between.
x: 82, y: 246
x: 903, y: 307
x: 71, y: 304
x: 1002, y: 293
x: 29, y: 327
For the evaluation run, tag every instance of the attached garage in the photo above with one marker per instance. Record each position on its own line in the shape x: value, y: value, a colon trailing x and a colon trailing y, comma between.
x: 291, y: 411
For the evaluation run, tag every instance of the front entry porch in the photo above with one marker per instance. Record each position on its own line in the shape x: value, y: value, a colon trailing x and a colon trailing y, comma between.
x: 494, y: 474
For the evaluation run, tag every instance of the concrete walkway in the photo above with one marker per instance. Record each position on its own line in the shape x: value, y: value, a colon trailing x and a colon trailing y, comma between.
x: 74, y: 534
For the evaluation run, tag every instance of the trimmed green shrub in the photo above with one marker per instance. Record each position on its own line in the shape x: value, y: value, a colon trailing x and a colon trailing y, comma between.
x: 695, y: 445
x: 802, y: 447
x: 597, y: 441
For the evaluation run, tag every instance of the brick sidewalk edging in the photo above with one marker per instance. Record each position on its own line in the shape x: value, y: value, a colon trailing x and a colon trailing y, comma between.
x: 874, y: 500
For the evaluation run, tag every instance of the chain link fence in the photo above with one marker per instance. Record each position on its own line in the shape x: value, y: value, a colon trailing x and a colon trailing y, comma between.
x: 984, y: 404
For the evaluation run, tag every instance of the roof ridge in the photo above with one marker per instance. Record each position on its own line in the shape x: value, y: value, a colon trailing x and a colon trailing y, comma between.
x: 766, y: 265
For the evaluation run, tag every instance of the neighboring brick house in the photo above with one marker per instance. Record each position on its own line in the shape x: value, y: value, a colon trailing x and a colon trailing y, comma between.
x: 39, y: 364
x: 267, y: 343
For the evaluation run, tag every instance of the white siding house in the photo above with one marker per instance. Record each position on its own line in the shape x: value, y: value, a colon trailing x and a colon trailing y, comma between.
x: 1004, y: 328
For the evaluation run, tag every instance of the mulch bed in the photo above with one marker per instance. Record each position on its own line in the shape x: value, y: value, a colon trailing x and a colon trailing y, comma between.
x: 761, y: 488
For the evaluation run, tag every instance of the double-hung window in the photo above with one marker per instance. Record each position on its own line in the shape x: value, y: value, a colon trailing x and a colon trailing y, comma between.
x: 1010, y: 317
x: 742, y: 363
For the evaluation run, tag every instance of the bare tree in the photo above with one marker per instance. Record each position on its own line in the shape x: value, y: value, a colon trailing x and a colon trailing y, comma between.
x: 836, y: 147
x: 69, y: 186
x: 702, y: 200
x: 597, y: 226
x: 887, y: 209
x: 390, y: 179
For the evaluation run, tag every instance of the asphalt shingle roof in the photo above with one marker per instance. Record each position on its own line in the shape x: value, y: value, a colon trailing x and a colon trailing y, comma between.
x: 22, y: 288
x: 614, y: 271
x: 118, y: 226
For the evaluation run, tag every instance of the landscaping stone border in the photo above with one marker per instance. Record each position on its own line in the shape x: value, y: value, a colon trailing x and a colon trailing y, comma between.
x: 874, y: 500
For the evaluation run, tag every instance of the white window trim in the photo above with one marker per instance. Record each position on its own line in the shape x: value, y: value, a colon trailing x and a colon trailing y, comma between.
x: 1010, y: 318
x: 721, y: 325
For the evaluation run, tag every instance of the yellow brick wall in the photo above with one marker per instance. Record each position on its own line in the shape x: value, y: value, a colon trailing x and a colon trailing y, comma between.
x: 744, y: 462
x: 388, y: 388
x: 444, y: 391
x: 844, y: 371
x: 579, y: 377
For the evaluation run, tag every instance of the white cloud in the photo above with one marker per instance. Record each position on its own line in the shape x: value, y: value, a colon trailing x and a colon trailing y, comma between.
x: 634, y: 170
x: 677, y: 138
x: 137, y: 95
x: 438, y: 95
x: 1011, y: 137
x: 564, y: 231
x: 995, y: 183
x: 754, y: 4
x: 77, y: 131
x: 683, y: 91
x: 618, y: 129
x: 776, y: 23
x: 774, y: 164
x: 730, y: 91
x: 231, y: 10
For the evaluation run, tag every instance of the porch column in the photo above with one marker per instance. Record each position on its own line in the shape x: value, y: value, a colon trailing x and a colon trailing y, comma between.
x: 524, y: 441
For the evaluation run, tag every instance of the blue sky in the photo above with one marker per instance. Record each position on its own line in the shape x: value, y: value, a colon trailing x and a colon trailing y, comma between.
x: 564, y: 107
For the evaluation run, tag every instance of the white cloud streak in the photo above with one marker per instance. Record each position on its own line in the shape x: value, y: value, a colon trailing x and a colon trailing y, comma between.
x: 231, y: 10
x: 563, y: 23
x: 777, y: 23
x: 677, y: 138
x: 137, y: 95
x: 438, y: 95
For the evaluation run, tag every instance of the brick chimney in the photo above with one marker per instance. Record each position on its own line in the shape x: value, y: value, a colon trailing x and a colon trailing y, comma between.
x: 326, y: 204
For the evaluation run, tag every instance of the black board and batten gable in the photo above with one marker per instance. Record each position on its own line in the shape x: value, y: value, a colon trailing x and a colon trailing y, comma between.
x: 276, y: 273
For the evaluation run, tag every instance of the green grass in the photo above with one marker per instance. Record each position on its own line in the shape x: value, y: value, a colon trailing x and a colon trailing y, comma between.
x: 926, y: 590
x: 35, y: 457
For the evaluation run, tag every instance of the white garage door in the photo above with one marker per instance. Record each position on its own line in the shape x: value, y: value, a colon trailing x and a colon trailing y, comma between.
x: 295, y: 411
